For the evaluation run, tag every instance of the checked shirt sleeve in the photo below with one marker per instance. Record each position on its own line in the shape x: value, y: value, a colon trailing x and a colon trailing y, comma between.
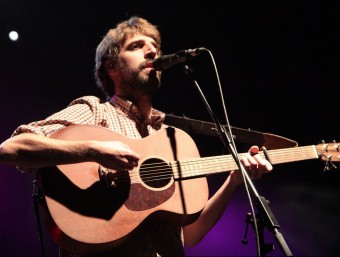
x: 84, y: 110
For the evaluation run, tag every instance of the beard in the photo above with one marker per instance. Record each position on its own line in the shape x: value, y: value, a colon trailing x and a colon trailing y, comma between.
x: 141, y: 80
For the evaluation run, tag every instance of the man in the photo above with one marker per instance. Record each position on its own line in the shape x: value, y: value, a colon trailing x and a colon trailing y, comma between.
x: 125, y: 73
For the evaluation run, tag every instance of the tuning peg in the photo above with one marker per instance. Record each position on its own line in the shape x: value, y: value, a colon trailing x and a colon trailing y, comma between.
x: 329, y: 164
x: 336, y: 146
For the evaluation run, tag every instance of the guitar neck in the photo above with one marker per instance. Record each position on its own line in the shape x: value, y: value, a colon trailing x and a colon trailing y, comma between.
x: 206, y: 166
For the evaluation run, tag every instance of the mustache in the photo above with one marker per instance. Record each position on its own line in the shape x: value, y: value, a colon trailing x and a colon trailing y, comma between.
x: 146, y: 64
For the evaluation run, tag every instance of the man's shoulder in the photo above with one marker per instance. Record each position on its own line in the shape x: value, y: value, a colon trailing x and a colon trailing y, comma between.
x: 88, y: 99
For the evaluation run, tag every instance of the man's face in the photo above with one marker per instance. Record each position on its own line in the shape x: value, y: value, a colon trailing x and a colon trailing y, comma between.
x: 134, y: 70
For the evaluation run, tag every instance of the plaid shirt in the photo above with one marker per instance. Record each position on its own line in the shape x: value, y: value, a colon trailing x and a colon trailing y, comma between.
x: 121, y: 116
x: 118, y: 114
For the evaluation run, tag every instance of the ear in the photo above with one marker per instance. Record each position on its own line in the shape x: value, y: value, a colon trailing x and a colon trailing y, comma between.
x: 110, y: 67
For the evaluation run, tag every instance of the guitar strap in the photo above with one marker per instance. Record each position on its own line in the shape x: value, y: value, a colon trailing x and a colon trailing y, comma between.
x: 246, y: 136
x: 37, y: 196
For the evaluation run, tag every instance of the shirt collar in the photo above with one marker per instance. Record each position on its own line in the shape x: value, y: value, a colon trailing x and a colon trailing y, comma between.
x: 129, y: 109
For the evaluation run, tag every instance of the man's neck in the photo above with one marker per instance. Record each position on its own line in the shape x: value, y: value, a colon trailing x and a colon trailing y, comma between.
x: 144, y: 105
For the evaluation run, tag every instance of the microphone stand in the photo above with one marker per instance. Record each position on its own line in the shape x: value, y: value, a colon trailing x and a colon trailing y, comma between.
x: 265, y: 215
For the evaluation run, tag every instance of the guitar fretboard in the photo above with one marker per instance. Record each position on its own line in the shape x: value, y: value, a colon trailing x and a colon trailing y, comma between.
x: 198, y: 167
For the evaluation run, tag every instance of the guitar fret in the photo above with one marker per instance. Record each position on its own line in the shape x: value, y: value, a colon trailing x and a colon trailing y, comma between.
x: 292, y: 154
x: 202, y: 166
x: 198, y: 167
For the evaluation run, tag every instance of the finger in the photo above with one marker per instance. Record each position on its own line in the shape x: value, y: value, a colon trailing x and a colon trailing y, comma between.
x: 263, y: 164
x: 254, y: 149
x: 132, y: 160
x: 131, y: 155
x: 249, y: 162
x: 126, y: 163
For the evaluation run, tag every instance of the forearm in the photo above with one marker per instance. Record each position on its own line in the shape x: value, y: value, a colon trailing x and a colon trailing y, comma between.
x: 256, y: 168
x: 210, y: 215
x: 35, y: 151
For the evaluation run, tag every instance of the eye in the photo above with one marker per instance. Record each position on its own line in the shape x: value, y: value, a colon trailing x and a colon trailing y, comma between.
x: 133, y: 46
x: 136, y: 45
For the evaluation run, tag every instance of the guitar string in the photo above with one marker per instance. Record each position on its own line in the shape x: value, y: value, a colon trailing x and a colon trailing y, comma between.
x: 190, y: 168
x: 151, y: 176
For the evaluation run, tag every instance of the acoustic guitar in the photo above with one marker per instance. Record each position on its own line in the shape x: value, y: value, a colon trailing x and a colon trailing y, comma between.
x: 88, y: 209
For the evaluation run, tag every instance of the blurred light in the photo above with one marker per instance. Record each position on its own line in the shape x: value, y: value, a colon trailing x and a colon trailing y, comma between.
x: 13, y: 35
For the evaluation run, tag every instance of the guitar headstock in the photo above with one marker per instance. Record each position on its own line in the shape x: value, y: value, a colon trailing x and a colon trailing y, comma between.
x: 330, y: 153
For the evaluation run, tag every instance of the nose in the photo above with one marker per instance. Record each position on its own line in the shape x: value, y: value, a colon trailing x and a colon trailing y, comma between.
x: 151, y: 51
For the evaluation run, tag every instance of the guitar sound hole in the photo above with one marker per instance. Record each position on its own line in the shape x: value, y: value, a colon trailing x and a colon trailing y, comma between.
x: 155, y: 173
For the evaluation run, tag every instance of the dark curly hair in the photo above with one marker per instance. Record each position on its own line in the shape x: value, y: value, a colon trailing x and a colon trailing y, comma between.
x: 111, y: 44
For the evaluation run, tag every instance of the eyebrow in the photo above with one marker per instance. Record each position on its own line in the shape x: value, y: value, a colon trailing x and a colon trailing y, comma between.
x: 153, y: 42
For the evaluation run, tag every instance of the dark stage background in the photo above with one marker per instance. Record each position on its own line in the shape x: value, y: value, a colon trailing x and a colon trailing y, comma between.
x: 279, y: 71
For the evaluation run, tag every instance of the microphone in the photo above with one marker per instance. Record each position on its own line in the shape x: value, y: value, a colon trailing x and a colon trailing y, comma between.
x: 166, y: 61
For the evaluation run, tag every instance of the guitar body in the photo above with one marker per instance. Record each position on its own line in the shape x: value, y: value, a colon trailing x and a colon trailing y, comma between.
x: 87, y: 212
